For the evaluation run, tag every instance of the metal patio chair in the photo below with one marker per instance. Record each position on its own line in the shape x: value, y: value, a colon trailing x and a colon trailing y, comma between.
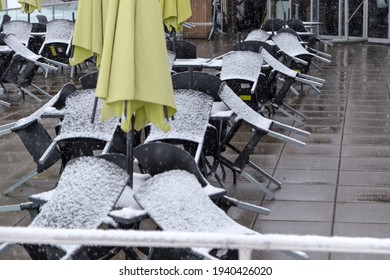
x: 35, y: 136
x: 176, y: 183
x: 57, y: 45
x: 268, y: 93
x: 260, y: 126
x: 20, y: 28
x: 23, y: 66
x: 295, y: 55
x: 77, y: 136
x: 86, y: 192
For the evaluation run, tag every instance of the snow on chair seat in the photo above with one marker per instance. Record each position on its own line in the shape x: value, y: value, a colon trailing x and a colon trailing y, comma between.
x: 35, y: 136
x: 190, y: 122
x: 76, y: 126
x: 87, y: 191
x: 23, y: 66
x: 175, y: 201
x: 257, y: 35
x: 241, y: 71
x: 261, y: 126
x: 290, y: 45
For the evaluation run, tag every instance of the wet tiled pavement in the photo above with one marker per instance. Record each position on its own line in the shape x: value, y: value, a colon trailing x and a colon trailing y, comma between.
x: 338, y: 185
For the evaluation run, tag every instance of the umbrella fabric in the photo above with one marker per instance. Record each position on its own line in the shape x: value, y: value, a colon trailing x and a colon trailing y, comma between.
x: 29, y: 6
x: 89, y: 30
x: 175, y: 13
x: 134, y: 76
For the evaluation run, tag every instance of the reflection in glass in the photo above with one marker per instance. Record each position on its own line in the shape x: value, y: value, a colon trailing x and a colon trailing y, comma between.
x: 378, y: 15
x: 329, y: 15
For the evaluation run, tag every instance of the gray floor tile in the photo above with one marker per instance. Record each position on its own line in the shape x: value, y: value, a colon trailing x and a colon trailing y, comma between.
x: 363, y: 194
x: 307, y: 177
x: 309, y: 162
x: 298, y: 192
x: 365, y: 164
x: 299, y: 211
x: 376, y: 213
x: 366, y: 151
x: 369, y: 178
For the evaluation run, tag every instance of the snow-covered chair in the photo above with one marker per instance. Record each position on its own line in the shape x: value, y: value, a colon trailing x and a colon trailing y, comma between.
x: 241, y: 70
x: 58, y: 42
x: 189, y: 124
x: 260, y: 126
x: 178, y: 198
x: 277, y: 70
x: 20, y: 29
x: 77, y: 136
x: 23, y: 67
x: 35, y: 136
x: 86, y: 192
x: 258, y: 35
x: 296, y: 55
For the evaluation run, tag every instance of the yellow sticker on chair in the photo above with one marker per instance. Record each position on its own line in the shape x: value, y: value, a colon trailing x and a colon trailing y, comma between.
x: 246, y: 97
x: 53, y: 50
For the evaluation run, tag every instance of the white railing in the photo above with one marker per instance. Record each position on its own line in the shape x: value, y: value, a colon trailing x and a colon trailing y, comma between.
x: 244, y: 243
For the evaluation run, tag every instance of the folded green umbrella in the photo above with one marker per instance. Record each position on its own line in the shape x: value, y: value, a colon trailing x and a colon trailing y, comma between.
x: 175, y: 13
x: 134, y: 76
x: 89, y: 30
x: 29, y: 6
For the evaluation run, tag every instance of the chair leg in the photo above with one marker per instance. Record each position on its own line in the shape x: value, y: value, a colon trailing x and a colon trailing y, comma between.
x: 258, y: 184
x: 20, y: 182
x: 265, y: 174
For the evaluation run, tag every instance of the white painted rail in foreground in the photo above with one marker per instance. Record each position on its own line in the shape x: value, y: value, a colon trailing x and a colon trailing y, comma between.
x: 245, y: 243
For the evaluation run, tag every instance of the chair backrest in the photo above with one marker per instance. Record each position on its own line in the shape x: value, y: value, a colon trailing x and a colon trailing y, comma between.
x: 42, y: 19
x: 273, y: 24
x: 182, y: 49
x: 200, y: 81
x: 252, y: 46
x: 20, y: 28
x: 257, y: 35
x: 190, y: 122
x: 156, y: 158
x: 39, y: 27
x: 13, y: 42
x: 5, y: 19
x: 59, y: 31
x: 242, y: 110
x: 276, y: 64
x: 243, y: 65
x: 296, y: 24
x: 89, y: 81
x: 288, y: 30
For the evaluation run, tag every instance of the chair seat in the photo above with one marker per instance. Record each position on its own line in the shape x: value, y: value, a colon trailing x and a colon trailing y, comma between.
x: 77, y: 119
x: 190, y: 121
x: 86, y: 192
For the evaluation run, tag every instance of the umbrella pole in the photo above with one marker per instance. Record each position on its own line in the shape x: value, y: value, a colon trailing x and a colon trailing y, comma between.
x: 95, y: 102
x: 129, y: 151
